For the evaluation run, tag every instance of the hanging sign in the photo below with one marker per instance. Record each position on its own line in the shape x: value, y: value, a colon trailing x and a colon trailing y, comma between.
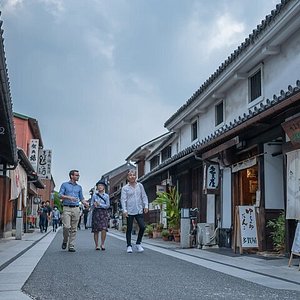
x: 292, y: 129
x: 44, y: 164
x: 211, y: 178
x: 33, y: 153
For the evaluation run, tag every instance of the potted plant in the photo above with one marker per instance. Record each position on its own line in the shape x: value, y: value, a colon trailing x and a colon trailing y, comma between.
x: 165, y: 234
x: 158, y: 227
x: 170, y: 201
x: 278, y: 232
x: 149, y: 231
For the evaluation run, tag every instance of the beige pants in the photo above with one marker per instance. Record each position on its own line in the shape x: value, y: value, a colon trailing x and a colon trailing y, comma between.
x: 70, y: 220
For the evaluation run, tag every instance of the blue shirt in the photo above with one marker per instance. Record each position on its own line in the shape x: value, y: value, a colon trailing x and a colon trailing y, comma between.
x: 102, y: 203
x: 71, y: 189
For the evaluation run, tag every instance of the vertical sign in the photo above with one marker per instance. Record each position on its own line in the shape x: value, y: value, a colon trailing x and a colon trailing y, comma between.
x: 293, y: 185
x: 248, y: 227
x: 33, y: 153
x: 44, y: 164
x: 211, y: 178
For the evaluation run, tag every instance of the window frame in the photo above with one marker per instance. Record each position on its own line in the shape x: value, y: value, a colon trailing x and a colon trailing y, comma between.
x: 217, y: 104
x: 251, y: 74
x: 154, y: 161
x: 166, y: 152
x: 193, y: 137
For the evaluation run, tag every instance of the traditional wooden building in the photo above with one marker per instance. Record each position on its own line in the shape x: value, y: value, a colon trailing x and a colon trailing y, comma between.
x: 8, y: 149
x: 236, y: 139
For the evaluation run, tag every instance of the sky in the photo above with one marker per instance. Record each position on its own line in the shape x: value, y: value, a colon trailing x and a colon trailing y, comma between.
x: 102, y: 77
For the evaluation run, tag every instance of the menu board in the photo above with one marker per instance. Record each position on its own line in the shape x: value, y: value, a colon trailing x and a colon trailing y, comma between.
x: 296, y: 242
x: 248, y: 227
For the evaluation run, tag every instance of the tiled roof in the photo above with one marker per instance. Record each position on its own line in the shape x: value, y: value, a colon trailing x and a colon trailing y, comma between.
x: 256, y: 33
x: 267, y: 105
x: 9, y: 138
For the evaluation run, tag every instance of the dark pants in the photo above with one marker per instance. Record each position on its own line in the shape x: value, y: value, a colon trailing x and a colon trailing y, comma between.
x: 54, y: 224
x: 141, y: 224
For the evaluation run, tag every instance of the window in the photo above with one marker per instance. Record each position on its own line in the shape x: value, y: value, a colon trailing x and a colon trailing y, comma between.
x: 194, y: 130
x: 219, y: 113
x: 154, y: 162
x: 166, y: 153
x: 255, y: 85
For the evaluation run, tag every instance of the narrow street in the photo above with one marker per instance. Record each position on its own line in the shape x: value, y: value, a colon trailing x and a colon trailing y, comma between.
x: 114, y: 274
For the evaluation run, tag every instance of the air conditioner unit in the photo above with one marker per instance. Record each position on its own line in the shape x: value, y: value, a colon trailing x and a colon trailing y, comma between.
x: 206, y: 234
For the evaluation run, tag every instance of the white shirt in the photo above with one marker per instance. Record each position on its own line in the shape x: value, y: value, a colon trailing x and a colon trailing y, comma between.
x: 134, y: 199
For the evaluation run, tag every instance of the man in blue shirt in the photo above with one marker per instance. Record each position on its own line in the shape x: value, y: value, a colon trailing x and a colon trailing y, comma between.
x: 70, y: 194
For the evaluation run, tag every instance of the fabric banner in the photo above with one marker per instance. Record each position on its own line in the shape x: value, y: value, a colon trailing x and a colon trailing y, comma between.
x: 18, y: 179
x: 293, y: 185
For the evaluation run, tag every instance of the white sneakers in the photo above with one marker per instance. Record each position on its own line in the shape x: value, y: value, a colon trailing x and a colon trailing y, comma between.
x: 138, y: 248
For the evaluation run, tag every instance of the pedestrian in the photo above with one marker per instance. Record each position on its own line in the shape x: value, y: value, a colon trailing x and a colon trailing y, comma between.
x: 55, y: 218
x: 48, y: 214
x: 70, y: 194
x: 80, y: 215
x: 134, y: 203
x: 100, y: 204
x: 86, y: 210
x: 43, y: 213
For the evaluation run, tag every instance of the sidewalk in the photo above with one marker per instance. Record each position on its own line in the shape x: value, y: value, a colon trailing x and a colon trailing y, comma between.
x: 18, y: 259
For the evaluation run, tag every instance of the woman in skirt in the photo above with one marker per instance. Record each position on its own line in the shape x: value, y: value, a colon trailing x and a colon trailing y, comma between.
x: 100, y: 204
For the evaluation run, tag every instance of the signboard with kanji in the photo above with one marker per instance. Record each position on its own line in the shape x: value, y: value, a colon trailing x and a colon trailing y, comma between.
x: 44, y: 164
x: 211, y: 177
x: 33, y: 153
x: 248, y: 227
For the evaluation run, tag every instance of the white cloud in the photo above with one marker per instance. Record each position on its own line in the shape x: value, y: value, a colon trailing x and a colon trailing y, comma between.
x: 10, y: 6
x: 225, y: 33
x: 101, y: 45
x: 55, y: 7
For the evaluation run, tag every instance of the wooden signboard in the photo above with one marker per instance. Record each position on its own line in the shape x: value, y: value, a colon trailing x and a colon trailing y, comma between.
x: 296, y: 245
x: 245, y: 228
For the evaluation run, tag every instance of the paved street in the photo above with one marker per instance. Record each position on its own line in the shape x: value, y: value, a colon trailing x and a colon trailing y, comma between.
x: 159, y: 272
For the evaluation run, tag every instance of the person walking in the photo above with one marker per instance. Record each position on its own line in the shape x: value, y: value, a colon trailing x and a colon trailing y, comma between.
x: 55, y: 218
x: 100, y: 204
x: 43, y: 214
x: 134, y: 203
x: 70, y: 194
x: 48, y: 215
x: 86, y: 210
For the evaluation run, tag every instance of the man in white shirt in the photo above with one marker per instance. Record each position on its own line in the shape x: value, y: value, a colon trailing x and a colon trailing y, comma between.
x: 134, y: 203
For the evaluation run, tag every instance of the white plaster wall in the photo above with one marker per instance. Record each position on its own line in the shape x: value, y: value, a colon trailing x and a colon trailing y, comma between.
x: 273, y: 177
x: 279, y: 71
x: 226, y: 199
x: 283, y: 69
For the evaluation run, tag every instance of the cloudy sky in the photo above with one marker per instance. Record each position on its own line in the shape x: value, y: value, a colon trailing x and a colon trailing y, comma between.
x: 102, y: 77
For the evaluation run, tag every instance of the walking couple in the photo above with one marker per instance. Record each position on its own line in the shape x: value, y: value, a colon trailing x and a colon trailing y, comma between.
x: 134, y: 202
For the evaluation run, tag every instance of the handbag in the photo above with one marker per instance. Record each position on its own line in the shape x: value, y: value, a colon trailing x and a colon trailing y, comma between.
x: 89, y: 219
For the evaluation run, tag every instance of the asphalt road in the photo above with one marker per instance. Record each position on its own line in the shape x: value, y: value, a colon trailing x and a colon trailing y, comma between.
x: 114, y: 274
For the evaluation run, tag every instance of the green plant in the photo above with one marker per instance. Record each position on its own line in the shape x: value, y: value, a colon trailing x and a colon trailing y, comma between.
x: 149, y: 229
x: 159, y: 227
x: 165, y: 233
x: 278, y: 232
x: 169, y: 201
